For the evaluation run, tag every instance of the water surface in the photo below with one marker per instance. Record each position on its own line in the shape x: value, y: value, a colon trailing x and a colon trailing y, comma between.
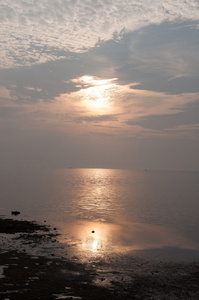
x: 103, y: 211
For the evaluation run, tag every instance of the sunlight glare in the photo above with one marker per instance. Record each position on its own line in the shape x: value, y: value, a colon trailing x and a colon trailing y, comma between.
x: 97, y: 94
x: 94, y: 245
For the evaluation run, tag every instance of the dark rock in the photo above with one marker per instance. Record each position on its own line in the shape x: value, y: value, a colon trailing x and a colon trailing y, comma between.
x: 15, y: 212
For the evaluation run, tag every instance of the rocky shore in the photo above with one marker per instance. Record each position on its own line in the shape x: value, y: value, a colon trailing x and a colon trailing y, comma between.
x: 32, y: 268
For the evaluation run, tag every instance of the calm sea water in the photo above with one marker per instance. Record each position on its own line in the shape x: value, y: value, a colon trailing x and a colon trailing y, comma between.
x: 105, y: 210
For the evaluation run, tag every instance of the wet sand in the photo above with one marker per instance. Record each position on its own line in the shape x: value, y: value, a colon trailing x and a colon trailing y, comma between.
x: 31, y: 267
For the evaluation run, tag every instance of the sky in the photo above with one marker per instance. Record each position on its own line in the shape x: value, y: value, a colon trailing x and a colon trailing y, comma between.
x: 99, y: 84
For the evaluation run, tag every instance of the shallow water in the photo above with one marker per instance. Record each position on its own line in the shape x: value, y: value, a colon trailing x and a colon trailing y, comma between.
x: 110, y: 211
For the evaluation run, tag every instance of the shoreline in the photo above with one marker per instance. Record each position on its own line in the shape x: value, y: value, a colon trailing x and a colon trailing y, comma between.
x: 30, y: 268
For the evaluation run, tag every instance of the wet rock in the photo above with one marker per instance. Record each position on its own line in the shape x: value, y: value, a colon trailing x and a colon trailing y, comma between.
x: 15, y: 212
x: 15, y: 226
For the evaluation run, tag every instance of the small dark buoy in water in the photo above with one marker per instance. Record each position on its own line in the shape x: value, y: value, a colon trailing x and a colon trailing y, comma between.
x: 15, y: 212
x: 93, y: 231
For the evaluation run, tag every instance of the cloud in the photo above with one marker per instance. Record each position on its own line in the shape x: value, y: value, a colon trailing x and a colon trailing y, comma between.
x: 131, y: 110
x: 34, y: 32
x: 4, y: 93
x: 161, y: 58
x: 32, y: 89
x: 8, y: 109
x: 122, y: 110
x: 95, y: 119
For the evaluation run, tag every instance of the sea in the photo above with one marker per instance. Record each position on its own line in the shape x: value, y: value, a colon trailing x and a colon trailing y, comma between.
x: 110, y: 211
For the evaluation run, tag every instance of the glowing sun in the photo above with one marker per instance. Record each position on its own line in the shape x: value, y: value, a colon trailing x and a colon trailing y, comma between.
x: 97, y: 94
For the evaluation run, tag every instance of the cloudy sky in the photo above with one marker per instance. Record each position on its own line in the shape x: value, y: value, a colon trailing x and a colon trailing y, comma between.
x: 99, y: 83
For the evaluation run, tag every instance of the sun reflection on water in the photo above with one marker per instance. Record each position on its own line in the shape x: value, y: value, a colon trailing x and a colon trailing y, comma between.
x: 94, y: 238
x: 97, y: 197
x: 96, y: 223
x: 99, y: 239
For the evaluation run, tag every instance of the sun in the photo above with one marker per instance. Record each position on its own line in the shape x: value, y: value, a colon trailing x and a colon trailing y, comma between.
x: 97, y: 94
